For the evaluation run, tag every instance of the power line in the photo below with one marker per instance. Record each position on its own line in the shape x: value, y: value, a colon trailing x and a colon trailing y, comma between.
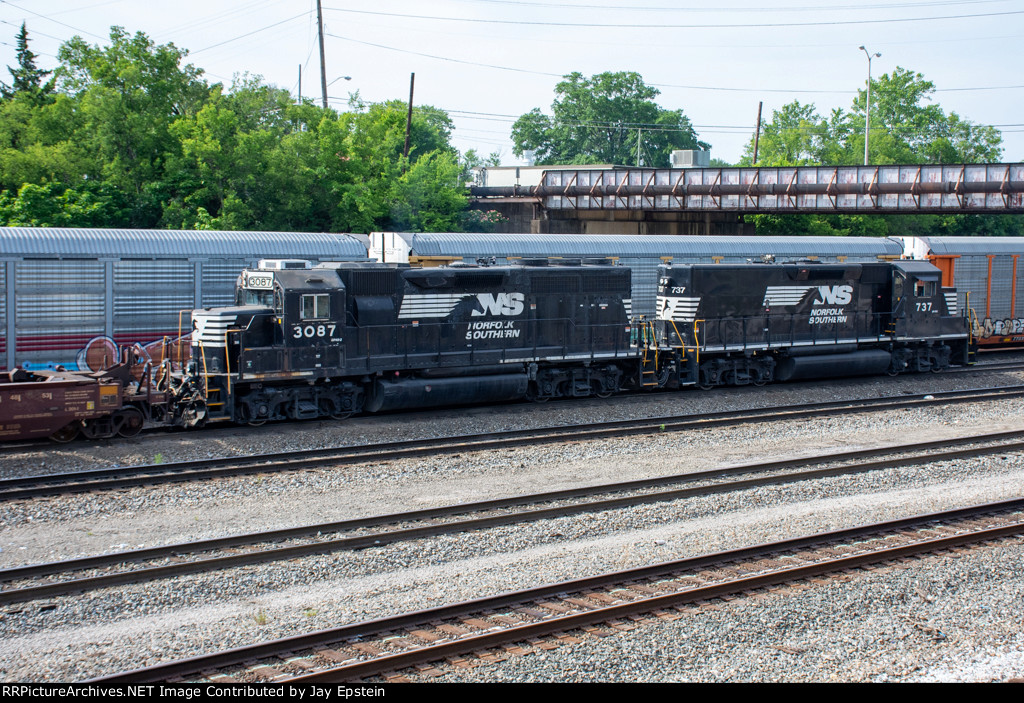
x: 662, y: 25
x: 656, y: 85
x: 442, y: 58
x: 50, y: 19
x: 34, y: 31
x: 744, y: 10
x: 247, y: 34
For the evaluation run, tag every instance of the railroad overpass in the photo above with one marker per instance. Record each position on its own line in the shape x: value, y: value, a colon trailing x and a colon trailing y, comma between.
x: 713, y: 200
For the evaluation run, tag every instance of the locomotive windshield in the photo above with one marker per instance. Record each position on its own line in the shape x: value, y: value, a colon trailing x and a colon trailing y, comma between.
x: 263, y: 298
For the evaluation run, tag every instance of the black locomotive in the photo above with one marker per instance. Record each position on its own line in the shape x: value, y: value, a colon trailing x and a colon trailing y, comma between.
x: 337, y: 339
x: 729, y: 325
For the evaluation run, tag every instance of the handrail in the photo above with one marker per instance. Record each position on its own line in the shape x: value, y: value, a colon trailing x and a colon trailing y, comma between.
x: 206, y: 376
x: 180, y: 313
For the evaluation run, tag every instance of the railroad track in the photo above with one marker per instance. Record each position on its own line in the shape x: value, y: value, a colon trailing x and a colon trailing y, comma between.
x: 44, y: 444
x: 152, y: 474
x: 516, y: 621
x: 32, y: 582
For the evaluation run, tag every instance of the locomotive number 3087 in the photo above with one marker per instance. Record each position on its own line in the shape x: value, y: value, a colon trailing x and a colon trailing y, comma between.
x: 310, y: 331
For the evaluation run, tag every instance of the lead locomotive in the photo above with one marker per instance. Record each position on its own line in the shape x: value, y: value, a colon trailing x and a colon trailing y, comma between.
x: 336, y: 339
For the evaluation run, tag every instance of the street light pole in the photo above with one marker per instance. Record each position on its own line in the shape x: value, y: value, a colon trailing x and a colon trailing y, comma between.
x: 867, y: 111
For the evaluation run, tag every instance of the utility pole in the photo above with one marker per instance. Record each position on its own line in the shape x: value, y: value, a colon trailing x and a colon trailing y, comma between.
x: 757, y: 134
x: 300, y: 84
x: 638, y: 147
x: 408, y: 120
x: 323, y: 63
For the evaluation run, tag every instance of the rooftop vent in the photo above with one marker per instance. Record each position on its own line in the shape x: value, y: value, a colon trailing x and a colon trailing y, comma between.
x: 691, y: 158
x: 283, y: 264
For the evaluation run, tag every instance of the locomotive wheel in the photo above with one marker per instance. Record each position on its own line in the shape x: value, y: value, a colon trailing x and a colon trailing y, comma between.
x: 66, y: 433
x: 333, y: 411
x: 252, y: 422
x: 131, y: 421
x: 533, y: 394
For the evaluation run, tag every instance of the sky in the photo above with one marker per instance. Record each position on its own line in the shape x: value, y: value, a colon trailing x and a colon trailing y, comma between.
x: 488, y: 61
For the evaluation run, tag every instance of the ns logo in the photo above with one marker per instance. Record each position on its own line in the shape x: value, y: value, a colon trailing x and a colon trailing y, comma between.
x: 834, y: 295
x: 508, y: 304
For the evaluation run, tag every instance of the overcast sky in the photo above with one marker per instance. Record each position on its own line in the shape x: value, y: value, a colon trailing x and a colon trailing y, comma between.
x: 488, y: 61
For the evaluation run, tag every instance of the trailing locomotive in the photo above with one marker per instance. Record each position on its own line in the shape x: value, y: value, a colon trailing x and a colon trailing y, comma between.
x: 734, y: 325
x: 335, y: 339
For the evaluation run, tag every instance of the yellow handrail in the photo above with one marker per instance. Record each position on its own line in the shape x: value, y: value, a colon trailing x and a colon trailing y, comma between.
x: 180, y: 312
x: 206, y: 376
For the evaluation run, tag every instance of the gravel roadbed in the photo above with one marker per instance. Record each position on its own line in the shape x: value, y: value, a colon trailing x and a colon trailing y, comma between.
x: 873, y: 627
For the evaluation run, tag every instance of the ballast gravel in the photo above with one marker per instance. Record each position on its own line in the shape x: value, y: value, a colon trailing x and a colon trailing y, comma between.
x: 950, y: 617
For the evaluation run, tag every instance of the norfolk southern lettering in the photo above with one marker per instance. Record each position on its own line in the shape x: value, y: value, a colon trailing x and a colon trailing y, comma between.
x: 494, y: 329
x: 830, y: 295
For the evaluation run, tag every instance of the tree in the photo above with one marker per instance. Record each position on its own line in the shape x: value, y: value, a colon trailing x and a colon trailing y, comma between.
x: 127, y: 95
x: 794, y: 137
x: 607, y: 118
x: 28, y: 79
x: 134, y: 137
x: 905, y: 128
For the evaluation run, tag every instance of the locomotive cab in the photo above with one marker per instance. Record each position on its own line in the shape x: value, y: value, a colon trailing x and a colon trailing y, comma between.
x: 304, y: 333
x: 926, y: 314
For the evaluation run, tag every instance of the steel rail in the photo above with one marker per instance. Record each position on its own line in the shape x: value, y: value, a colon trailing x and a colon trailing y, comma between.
x: 220, y: 660
x: 122, y: 477
x: 47, y: 444
x: 376, y: 539
x: 563, y: 623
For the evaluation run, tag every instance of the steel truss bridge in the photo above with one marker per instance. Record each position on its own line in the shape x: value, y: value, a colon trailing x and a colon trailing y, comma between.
x: 906, y: 189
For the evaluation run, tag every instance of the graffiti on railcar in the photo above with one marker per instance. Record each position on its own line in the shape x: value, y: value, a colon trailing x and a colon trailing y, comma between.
x: 991, y: 329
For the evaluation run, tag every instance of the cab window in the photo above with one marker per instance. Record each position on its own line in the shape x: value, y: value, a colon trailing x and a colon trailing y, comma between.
x: 924, y: 289
x: 315, y: 307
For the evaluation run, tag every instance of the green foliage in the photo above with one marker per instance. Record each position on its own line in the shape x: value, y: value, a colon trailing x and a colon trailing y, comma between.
x: 54, y: 205
x: 430, y: 196
x: 132, y: 136
x: 601, y: 119
x: 905, y: 128
x: 28, y: 79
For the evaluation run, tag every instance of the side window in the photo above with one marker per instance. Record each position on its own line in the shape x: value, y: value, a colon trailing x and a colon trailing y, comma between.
x: 897, y: 286
x: 315, y: 307
x: 924, y: 289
